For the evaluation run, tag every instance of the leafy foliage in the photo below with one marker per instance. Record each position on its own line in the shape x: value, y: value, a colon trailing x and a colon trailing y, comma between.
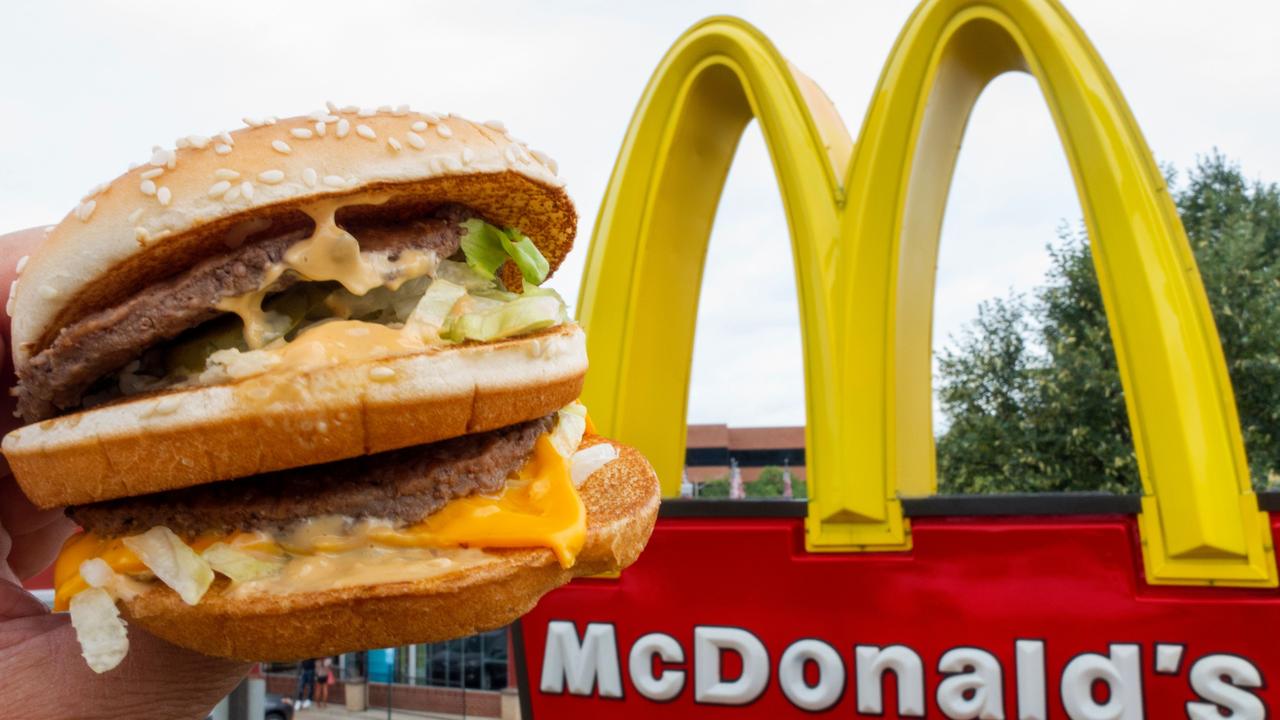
x: 1031, y: 390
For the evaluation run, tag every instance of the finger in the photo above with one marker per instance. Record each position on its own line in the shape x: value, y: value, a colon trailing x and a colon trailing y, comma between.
x: 18, y: 514
x: 34, y: 551
x: 13, y: 247
x: 47, y: 678
x: 32, y: 536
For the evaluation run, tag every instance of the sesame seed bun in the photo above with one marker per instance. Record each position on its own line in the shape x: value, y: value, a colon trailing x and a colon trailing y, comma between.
x: 622, y: 505
x: 178, y: 207
x: 180, y: 438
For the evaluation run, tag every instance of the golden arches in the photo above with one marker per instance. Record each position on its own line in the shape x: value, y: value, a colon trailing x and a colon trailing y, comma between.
x: 865, y: 261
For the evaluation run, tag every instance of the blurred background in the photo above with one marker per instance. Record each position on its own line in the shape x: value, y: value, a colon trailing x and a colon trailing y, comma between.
x: 1026, y: 395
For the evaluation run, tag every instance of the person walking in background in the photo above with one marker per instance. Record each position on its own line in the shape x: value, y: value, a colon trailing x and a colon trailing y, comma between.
x: 306, y: 684
x: 324, y: 678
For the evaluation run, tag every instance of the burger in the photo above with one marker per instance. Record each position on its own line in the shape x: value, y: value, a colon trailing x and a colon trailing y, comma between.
x: 303, y: 389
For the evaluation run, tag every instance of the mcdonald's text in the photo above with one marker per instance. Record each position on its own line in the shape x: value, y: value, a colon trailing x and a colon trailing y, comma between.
x: 814, y: 674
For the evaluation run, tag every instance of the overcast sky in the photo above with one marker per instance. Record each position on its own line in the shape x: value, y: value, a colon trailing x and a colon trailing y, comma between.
x: 90, y: 87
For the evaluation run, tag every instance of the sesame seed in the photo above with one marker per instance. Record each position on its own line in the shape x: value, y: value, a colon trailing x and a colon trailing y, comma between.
x: 219, y: 188
x: 366, y: 112
x: 8, y: 309
x: 253, y: 122
x: 222, y: 149
x: 133, y: 216
x: 22, y: 264
x: 232, y: 195
x: 148, y: 187
x: 182, y: 143
x: 451, y: 163
x: 13, y: 289
x: 163, y: 195
x: 246, y: 189
x: 48, y: 292
x: 320, y: 128
x: 271, y: 177
x: 344, y: 127
x: 400, y: 111
x: 167, y: 405
x: 349, y: 108
x: 431, y: 117
x: 152, y: 173
x: 495, y: 125
x: 366, y: 132
x: 225, y: 137
x: 301, y: 133
x: 395, y: 144
x: 226, y: 174
x: 272, y: 120
x: 418, y: 126
x: 331, y: 107
x: 281, y: 146
x: 309, y: 177
x: 316, y: 114
x: 444, y: 130
x: 381, y: 373
x: 415, y: 140
x: 85, y: 210
x: 434, y: 166
x: 384, y: 108
x: 547, y: 160
x: 509, y: 152
x: 468, y: 155
x: 94, y: 191
x: 334, y: 181
x: 160, y: 157
x: 198, y: 142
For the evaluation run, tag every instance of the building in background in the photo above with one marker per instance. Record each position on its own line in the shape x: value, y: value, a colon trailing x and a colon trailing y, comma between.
x: 715, y: 454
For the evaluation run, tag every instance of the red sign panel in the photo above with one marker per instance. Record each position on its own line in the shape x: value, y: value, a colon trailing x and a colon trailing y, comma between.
x: 987, y: 617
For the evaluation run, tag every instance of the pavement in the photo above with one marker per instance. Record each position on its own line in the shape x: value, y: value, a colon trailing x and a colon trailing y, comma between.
x: 338, y: 712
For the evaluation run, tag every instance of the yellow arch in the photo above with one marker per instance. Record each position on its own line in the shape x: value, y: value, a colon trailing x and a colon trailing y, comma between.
x: 1200, y: 520
x: 865, y: 273
x: 639, y: 295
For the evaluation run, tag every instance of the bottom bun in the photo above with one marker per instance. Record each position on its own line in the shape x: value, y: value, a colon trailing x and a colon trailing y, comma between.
x: 621, y: 500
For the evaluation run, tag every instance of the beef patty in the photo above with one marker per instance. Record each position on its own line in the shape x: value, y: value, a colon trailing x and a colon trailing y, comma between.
x: 55, y: 379
x: 407, y: 484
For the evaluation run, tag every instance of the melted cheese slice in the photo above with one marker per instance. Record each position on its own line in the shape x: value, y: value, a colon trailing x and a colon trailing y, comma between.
x: 538, y: 508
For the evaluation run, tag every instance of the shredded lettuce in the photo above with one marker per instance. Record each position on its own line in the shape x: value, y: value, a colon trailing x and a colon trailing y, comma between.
x: 571, y: 423
x: 103, y: 639
x: 524, y: 314
x: 487, y: 247
x: 585, y: 462
x: 533, y: 267
x: 436, y: 305
x: 241, y: 565
x: 462, y: 274
x: 482, y: 246
x: 98, y: 574
x: 173, y: 561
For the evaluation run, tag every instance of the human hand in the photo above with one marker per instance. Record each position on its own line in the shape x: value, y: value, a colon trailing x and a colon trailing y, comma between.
x: 43, y: 674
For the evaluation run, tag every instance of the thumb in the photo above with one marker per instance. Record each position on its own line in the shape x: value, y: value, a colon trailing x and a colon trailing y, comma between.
x: 45, y: 677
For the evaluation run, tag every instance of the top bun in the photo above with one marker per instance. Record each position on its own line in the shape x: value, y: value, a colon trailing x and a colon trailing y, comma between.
x: 161, y: 217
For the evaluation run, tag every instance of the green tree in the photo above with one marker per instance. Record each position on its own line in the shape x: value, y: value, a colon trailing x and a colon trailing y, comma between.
x: 1031, y: 390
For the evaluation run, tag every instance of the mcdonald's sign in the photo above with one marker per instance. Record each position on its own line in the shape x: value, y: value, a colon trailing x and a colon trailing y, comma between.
x: 878, y: 598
